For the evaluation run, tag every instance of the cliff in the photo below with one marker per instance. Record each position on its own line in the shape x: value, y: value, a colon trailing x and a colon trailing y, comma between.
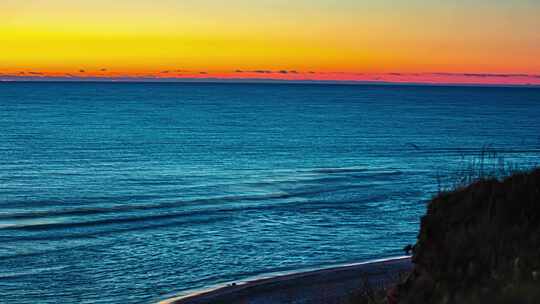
x: 478, y: 244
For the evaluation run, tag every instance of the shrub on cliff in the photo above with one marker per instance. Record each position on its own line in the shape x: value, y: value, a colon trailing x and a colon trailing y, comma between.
x: 479, y: 244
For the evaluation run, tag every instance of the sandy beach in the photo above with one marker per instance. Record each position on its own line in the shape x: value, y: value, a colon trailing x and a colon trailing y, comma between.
x: 328, y: 285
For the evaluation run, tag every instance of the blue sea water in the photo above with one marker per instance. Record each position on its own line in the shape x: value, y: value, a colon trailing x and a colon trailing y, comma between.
x: 130, y: 192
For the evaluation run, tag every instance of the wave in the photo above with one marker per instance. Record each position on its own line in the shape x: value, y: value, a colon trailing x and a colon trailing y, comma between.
x: 33, y: 272
x: 199, y: 217
x: 79, y: 201
x: 130, y: 207
x: 95, y: 234
x: 339, y: 170
x: 457, y: 151
x: 47, y: 226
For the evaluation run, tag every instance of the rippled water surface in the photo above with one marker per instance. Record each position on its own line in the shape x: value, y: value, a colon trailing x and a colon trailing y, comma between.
x: 127, y: 193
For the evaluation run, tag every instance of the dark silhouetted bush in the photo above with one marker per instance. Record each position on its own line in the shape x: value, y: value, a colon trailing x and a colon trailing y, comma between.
x: 479, y: 244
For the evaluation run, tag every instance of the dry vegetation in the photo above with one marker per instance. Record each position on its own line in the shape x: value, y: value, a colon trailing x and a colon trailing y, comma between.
x: 479, y: 241
x: 479, y: 244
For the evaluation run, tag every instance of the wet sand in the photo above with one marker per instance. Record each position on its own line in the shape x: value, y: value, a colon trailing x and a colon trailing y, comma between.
x: 329, y: 286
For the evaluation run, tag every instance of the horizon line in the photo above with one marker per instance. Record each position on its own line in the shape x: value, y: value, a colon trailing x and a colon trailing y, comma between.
x: 215, y: 80
x: 285, y: 76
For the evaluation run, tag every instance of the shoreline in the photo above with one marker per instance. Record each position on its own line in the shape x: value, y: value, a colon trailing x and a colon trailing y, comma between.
x: 324, y: 285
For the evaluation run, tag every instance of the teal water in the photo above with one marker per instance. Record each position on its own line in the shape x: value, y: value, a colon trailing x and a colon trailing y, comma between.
x: 128, y: 192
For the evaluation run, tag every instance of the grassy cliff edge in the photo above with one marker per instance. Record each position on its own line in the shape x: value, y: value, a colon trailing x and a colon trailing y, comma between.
x: 478, y: 244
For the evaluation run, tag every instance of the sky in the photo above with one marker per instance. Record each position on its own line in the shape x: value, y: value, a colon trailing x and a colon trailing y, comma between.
x: 459, y: 41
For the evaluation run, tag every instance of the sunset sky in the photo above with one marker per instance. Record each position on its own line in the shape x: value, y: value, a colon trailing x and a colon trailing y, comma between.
x: 460, y: 41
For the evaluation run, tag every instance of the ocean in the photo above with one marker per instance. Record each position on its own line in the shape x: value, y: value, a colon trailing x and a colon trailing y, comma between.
x: 132, y: 192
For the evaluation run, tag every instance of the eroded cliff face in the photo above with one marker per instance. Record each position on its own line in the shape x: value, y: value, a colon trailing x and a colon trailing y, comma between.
x: 480, y: 244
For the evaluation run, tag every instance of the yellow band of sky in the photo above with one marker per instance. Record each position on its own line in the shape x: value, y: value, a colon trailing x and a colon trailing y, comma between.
x: 138, y: 36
